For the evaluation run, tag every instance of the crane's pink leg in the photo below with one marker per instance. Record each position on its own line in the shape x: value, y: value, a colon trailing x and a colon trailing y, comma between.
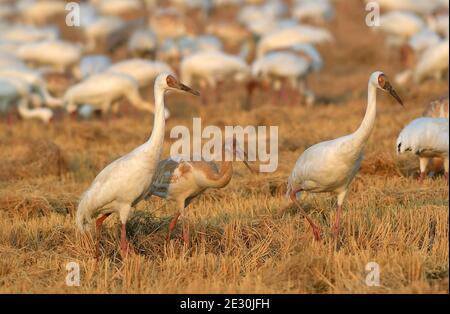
x: 124, y: 242
x: 337, y: 222
x: 315, y: 229
x: 423, y: 163
x: 186, y: 234
x: 172, y: 224
x: 421, y: 177
x: 98, y: 227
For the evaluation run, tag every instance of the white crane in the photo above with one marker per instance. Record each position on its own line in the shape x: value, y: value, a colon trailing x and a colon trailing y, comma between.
x: 330, y: 166
x: 143, y: 43
x: 92, y: 64
x: 432, y: 63
x: 104, y: 90
x: 417, y: 6
x: 292, y: 66
x: 289, y: 36
x: 40, y: 12
x: 34, y: 79
x: 281, y: 67
x: 119, y: 186
x: 168, y: 23
x: 315, y: 10
x: 416, y: 45
x: 427, y: 138
x: 61, y: 55
x: 21, y: 34
x: 211, y: 68
x: 118, y: 7
x: 189, y: 45
x: 399, y: 26
x: 16, y: 91
x: 143, y: 71
x: 100, y: 29
x: 437, y: 108
x: 230, y: 32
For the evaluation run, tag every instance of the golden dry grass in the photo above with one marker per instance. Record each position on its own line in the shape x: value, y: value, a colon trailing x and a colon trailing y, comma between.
x: 246, y: 238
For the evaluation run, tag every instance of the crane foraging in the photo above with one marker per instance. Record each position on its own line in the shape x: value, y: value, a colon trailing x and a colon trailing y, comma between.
x: 18, y: 93
x: 427, y: 138
x: 121, y: 185
x: 104, y: 90
x: 181, y: 180
x: 330, y: 166
x: 212, y: 68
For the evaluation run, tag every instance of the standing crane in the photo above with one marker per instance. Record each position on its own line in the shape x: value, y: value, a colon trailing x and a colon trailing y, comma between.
x: 427, y: 138
x: 121, y: 185
x: 330, y: 166
x: 182, y: 181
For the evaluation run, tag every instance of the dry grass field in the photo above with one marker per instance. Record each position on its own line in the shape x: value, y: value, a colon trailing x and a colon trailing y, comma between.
x: 247, y: 237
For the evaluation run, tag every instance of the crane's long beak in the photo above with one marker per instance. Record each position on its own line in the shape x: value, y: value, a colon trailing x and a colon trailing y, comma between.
x: 188, y: 89
x: 388, y: 87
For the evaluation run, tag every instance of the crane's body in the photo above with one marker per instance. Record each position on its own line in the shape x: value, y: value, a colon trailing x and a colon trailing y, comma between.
x: 182, y: 180
x: 427, y: 138
x: 331, y: 166
x: 119, y: 186
x: 104, y: 90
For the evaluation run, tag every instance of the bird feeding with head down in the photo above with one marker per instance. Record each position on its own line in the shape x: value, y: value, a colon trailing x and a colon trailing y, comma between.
x: 427, y: 138
x: 330, y: 166
x: 182, y: 180
x: 123, y: 183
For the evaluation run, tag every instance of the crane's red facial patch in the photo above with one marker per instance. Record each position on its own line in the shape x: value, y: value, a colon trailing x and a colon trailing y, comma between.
x: 382, y: 80
x: 172, y: 82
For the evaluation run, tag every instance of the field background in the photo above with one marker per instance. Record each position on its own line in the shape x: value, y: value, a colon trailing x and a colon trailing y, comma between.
x: 246, y: 238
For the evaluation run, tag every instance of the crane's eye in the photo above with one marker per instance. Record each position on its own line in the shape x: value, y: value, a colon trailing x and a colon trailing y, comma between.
x: 381, y: 80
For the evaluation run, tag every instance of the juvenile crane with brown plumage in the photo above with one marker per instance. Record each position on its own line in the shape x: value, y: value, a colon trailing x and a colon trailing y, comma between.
x: 182, y: 181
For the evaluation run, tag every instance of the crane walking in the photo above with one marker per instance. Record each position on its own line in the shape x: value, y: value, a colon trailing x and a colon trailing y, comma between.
x: 119, y: 186
x: 330, y: 166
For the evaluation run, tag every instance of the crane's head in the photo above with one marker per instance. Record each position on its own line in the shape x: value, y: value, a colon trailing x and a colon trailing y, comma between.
x: 380, y: 80
x: 167, y: 81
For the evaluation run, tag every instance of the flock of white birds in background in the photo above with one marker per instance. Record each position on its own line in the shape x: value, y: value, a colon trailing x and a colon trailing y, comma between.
x: 419, y: 30
x: 273, y: 44
x: 275, y: 47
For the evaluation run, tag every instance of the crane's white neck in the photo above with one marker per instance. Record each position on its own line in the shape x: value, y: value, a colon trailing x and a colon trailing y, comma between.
x: 362, y: 134
x: 156, y: 140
